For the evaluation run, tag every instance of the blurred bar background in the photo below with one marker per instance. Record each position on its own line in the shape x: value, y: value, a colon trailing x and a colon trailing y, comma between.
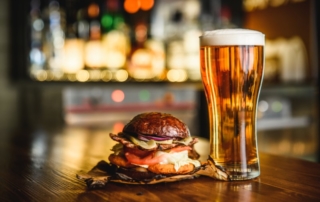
x: 97, y: 63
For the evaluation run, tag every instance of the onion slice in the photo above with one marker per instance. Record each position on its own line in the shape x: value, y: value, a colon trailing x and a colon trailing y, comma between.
x: 152, y: 137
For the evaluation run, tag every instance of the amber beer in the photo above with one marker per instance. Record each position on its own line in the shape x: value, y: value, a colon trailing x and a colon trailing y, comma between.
x: 232, y: 63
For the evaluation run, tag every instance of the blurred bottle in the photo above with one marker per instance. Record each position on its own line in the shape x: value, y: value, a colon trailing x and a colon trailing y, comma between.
x: 73, y: 50
x: 93, y: 51
x: 183, y: 30
x: 55, y: 30
x: 147, y: 58
x: 115, y: 35
x: 36, y: 54
x: 140, y: 66
x: 47, y: 35
x: 56, y: 34
x: 210, y: 16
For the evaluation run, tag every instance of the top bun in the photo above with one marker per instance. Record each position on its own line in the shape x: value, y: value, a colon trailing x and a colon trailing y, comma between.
x: 157, y: 124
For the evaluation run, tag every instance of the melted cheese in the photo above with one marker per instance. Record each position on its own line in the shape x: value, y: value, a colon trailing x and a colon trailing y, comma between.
x: 178, y: 159
x: 148, y: 144
x: 184, y: 141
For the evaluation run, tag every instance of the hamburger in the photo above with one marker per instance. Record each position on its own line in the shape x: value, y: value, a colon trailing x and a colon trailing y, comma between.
x: 154, y: 146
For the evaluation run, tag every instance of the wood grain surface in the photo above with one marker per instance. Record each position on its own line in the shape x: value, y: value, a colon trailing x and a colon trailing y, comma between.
x: 42, y: 166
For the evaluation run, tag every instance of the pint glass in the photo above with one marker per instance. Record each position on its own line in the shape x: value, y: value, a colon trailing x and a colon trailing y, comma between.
x: 232, y: 65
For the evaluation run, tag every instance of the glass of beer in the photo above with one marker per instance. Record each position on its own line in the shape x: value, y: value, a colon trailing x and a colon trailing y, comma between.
x: 232, y: 66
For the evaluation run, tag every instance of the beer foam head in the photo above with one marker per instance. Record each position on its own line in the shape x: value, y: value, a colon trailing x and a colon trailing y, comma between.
x: 223, y: 37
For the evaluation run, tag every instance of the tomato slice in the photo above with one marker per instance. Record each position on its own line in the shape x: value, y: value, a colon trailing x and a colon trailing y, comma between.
x: 151, y: 159
x: 140, y: 157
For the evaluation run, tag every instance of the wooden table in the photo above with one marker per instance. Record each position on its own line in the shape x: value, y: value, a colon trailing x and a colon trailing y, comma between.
x: 42, y: 166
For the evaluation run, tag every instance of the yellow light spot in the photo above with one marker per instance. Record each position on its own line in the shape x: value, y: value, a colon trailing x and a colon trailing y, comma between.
x: 50, y: 76
x: 73, y: 56
x: 83, y: 75
x: 94, y: 75
x: 177, y: 75
x: 41, y: 75
x: 71, y: 77
x: 94, y: 54
x: 121, y: 75
x: 106, y: 75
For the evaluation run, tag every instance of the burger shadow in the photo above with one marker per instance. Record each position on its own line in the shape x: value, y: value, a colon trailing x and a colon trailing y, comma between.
x: 203, y: 188
x: 132, y: 192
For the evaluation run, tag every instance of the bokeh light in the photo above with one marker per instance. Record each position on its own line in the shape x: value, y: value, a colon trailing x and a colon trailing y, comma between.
x: 121, y: 75
x: 83, y: 75
x: 276, y: 106
x: 95, y: 75
x: 41, y: 75
x: 106, y: 75
x: 117, y: 127
x: 106, y: 21
x: 144, y: 95
x: 131, y: 6
x: 93, y: 10
x: 117, y: 95
x: 177, y: 75
x: 146, y: 4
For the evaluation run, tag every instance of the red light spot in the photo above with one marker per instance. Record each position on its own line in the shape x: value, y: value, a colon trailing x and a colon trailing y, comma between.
x: 117, y: 96
x: 117, y: 127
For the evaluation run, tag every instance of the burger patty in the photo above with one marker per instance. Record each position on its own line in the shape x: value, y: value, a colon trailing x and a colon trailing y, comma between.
x: 137, y: 174
x: 123, y: 140
x: 165, y: 169
x: 120, y: 160
x: 168, y: 169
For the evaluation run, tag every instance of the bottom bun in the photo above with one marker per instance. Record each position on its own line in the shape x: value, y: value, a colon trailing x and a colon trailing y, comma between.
x: 162, y: 169
x: 134, y: 174
x: 168, y: 169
